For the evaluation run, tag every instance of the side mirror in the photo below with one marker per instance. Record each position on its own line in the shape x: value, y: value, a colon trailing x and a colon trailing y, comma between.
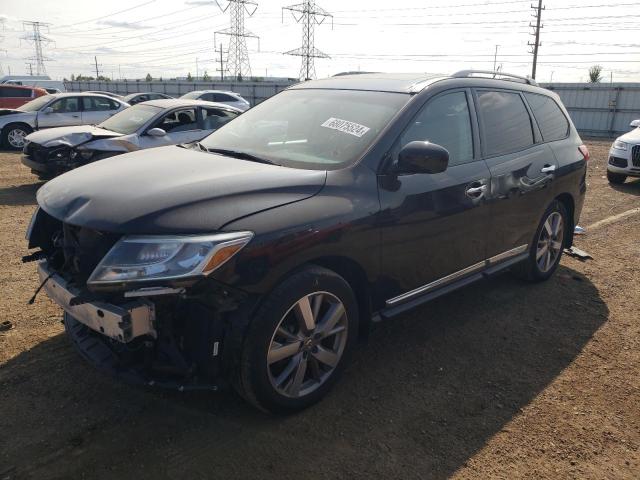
x: 635, y: 123
x: 422, y: 157
x: 157, y: 132
x: 48, y: 110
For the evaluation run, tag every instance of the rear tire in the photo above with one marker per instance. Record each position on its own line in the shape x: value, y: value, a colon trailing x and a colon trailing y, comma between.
x: 616, y: 178
x: 547, y: 245
x: 286, y: 365
x: 13, y: 135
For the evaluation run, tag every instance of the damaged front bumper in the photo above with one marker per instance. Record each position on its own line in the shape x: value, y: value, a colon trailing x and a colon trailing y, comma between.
x: 121, y: 323
x: 127, y: 339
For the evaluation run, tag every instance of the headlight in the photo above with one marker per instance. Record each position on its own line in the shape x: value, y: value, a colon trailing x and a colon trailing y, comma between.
x: 620, y: 145
x: 148, y: 258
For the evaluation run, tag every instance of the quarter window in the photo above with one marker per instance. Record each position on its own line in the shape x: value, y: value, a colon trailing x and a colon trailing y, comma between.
x: 506, y: 124
x: 552, y: 122
x: 445, y: 120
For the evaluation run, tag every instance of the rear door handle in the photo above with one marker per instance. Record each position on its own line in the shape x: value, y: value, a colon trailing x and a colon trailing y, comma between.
x: 548, y: 169
x: 476, y: 192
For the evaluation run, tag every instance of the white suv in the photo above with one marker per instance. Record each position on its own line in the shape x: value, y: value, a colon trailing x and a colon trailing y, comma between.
x: 624, y: 156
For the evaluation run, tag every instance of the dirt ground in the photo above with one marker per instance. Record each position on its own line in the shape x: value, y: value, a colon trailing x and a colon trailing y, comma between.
x: 499, y: 380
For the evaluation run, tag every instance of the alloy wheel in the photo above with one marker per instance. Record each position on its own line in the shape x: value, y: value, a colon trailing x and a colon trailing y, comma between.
x: 16, y: 137
x: 550, y: 242
x: 307, y: 344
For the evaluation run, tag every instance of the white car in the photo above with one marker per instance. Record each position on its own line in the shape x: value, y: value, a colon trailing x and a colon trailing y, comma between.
x: 156, y: 123
x: 58, y: 110
x: 219, y: 96
x: 624, y: 156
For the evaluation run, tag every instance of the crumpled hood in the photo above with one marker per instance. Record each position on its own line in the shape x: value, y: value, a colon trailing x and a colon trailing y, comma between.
x: 172, y: 190
x: 631, y: 137
x: 69, y: 136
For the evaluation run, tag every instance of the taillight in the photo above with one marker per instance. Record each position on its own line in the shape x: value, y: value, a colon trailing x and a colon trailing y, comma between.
x: 585, y: 152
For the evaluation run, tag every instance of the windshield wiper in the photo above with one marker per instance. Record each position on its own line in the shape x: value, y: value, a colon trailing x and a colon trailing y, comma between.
x: 240, y: 155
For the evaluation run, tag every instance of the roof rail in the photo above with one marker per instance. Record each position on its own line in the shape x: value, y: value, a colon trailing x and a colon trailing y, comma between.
x: 469, y: 73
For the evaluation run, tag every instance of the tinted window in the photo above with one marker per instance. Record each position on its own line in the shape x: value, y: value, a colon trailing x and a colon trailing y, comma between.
x: 67, y: 104
x: 98, y: 104
x: 223, y: 97
x: 15, y: 92
x: 552, y: 122
x: 214, y: 118
x: 506, y: 125
x: 445, y: 120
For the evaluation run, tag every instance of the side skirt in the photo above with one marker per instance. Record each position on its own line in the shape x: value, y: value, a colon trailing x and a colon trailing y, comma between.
x: 489, y: 271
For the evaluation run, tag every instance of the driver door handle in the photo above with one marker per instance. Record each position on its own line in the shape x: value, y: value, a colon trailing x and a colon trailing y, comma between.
x: 548, y: 169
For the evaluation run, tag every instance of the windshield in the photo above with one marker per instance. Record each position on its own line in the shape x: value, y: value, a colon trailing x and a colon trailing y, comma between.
x: 131, y: 119
x: 36, y: 104
x: 192, y: 95
x: 309, y: 128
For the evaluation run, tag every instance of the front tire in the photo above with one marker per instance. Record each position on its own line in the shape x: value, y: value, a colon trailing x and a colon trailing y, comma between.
x: 13, y: 135
x: 299, y: 341
x: 616, y: 178
x: 547, y: 245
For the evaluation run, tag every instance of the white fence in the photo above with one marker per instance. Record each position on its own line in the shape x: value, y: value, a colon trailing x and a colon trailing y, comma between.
x: 254, y: 92
x: 600, y: 109
x: 597, y: 109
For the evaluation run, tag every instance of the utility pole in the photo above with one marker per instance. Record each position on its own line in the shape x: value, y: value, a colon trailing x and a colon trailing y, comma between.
x: 495, y: 57
x: 237, y: 55
x: 310, y: 15
x: 37, y: 38
x: 95, y: 58
x: 221, y: 69
x: 536, y: 44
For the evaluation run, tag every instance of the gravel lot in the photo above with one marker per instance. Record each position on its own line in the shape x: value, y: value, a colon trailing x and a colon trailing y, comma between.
x: 500, y: 380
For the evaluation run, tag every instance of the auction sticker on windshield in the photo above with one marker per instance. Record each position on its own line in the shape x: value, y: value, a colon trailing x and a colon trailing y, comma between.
x: 346, y: 126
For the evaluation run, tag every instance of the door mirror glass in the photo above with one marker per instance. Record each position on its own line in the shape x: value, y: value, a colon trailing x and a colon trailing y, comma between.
x: 635, y: 123
x: 48, y: 110
x: 156, y: 132
x: 422, y: 157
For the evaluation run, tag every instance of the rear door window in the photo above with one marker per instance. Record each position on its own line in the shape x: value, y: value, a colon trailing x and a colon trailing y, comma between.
x: 552, y: 122
x: 214, y: 118
x: 444, y: 120
x: 505, y: 122
x: 98, y: 104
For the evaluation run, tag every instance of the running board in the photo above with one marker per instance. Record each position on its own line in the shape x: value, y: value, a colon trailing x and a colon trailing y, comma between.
x: 486, y: 273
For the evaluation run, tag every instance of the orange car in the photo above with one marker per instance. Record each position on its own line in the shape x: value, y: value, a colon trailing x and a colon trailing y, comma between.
x: 13, y: 96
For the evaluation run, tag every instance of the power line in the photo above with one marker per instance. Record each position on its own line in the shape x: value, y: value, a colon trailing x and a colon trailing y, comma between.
x: 310, y: 15
x: 37, y: 38
x: 238, y: 63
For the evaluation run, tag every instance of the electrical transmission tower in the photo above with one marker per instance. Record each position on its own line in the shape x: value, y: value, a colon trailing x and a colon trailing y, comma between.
x: 237, y: 54
x: 536, y: 34
x: 37, y: 38
x: 310, y: 15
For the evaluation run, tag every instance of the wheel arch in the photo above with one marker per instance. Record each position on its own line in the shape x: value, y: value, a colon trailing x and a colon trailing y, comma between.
x: 567, y: 200
x: 356, y: 277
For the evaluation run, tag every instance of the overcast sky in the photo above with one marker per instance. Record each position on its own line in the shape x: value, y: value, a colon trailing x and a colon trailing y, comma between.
x: 165, y: 37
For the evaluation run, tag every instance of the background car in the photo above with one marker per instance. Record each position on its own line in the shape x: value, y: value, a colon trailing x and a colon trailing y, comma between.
x: 135, y: 98
x: 57, y: 110
x: 108, y: 94
x: 13, y: 96
x: 624, y: 156
x: 219, y: 96
x: 150, y: 124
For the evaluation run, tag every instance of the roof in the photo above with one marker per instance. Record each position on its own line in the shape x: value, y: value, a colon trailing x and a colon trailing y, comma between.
x: 22, y: 87
x: 186, y: 102
x: 384, y: 82
x: 212, y: 91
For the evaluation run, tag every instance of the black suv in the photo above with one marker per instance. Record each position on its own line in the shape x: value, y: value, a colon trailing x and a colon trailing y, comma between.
x: 259, y: 256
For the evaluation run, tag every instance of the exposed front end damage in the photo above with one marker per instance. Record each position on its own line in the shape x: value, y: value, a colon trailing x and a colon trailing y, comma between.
x: 163, y: 335
x: 52, y: 152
